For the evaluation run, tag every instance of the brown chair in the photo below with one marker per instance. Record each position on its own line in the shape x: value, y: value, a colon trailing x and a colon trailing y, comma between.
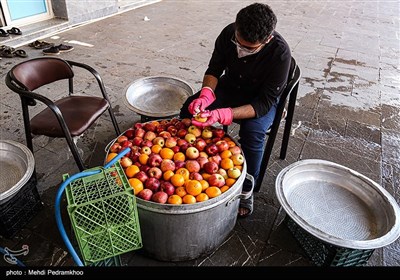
x: 66, y: 117
x: 290, y: 93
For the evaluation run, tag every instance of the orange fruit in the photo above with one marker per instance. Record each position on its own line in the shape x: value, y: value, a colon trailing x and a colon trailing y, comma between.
x: 226, y: 163
x: 184, y: 172
x: 230, y: 181
x: 206, y: 175
x: 156, y: 148
x: 194, y: 187
x: 189, y: 199
x: 231, y: 143
x: 174, y: 199
x: 180, y: 191
x: 111, y: 156
x: 167, y: 153
x: 168, y: 174
x: 132, y: 170
x: 204, y: 184
x: 201, y: 197
x: 179, y: 156
x: 226, y: 154
x: 177, y: 180
x: 213, y: 192
x: 224, y: 188
x: 156, y: 123
x: 240, y: 167
x: 143, y: 159
x: 136, y: 185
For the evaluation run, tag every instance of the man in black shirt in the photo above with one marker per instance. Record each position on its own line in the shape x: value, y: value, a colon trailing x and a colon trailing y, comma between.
x: 246, y: 75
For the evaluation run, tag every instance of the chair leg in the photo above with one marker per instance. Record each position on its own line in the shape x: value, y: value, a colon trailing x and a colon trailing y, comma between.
x: 288, y: 124
x: 114, y: 121
x: 75, y: 153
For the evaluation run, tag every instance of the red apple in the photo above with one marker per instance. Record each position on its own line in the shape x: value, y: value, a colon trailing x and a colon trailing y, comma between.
x: 217, y: 159
x: 122, y: 138
x: 144, y: 168
x: 210, y: 167
x: 218, y: 133
x: 222, y: 145
x: 187, y: 122
x: 154, y: 172
x: 167, y: 164
x: 164, y: 134
x: 195, y: 176
x: 145, y: 194
x: 238, y: 159
x: 153, y: 184
x: 137, y: 141
x: 126, y: 144
x: 170, y: 142
x: 175, y: 149
x: 211, y: 149
x: 159, y: 141
x: 184, y: 147
x: 202, y: 160
x: 223, y: 173
x: 192, y: 165
x: 179, y: 125
x: 115, y: 148
x: 216, y: 180
x: 160, y: 128
x: 138, y: 125
x: 179, y: 164
x: 149, y: 126
x: 172, y: 129
x: 126, y: 162
x: 154, y: 160
x: 150, y: 135
x: 167, y: 187
x: 130, y: 133
x: 200, y: 144
x: 139, y: 132
x: 181, y: 133
x: 235, y: 150
x: 160, y: 197
x: 180, y: 142
x: 192, y: 153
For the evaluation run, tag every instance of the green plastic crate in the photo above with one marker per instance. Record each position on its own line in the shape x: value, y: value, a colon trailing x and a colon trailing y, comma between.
x: 103, y: 213
x: 325, y: 254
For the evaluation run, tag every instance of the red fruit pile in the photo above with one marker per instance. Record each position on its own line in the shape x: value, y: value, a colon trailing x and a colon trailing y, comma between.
x: 175, y: 162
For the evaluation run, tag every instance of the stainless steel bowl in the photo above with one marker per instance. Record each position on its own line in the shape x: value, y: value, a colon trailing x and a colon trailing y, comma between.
x: 16, y: 168
x: 157, y: 96
x: 338, y: 205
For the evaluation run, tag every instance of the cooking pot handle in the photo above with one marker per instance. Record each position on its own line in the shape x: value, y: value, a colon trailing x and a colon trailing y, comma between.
x: 108, y: 146
x: 244, y: 195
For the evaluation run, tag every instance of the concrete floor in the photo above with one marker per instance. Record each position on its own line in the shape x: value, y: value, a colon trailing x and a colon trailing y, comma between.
x: 347, y: 110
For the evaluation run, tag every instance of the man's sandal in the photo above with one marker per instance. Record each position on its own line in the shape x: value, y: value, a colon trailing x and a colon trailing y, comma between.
x: 246, y: 204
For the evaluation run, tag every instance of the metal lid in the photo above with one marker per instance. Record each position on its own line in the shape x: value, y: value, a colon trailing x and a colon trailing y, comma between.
x: 16, y: 167
x: 338, y: 205
x: 157, y: 96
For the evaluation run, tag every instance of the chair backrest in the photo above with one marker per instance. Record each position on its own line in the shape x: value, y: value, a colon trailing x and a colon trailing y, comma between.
x: 37, y: 72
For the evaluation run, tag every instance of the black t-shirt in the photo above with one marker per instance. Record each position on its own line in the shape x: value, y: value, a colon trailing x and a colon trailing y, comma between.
x: 257, y: 79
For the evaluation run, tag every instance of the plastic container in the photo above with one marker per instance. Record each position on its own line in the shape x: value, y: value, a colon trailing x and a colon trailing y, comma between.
x: 19, y: 198
x: 103, y: 214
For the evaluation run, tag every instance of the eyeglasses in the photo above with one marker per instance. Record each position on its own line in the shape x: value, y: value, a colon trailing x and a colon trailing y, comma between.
x: 249, y: 49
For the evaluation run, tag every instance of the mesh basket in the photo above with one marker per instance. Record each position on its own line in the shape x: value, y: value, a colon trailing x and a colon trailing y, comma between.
x: 20, y: 209
x: 325, y: 254
x: 103, y: 213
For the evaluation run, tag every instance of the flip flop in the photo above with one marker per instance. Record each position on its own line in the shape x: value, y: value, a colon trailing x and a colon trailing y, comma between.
x: 39, y: 44
x: 247, y: 204
x: 7, y: 52
x: 15, y: 31
x: 3, y: 33
x: 20, y: 53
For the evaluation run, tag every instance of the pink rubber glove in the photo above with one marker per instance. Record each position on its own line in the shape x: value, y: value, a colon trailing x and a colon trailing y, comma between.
x: 206, y: 97
x: 224, y: 116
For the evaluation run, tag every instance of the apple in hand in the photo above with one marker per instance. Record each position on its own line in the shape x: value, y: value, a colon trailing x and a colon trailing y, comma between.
x: 145, y: 194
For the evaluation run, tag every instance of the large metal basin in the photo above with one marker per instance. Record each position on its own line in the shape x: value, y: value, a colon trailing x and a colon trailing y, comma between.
x: 338, y: 205
x: 157, y: 96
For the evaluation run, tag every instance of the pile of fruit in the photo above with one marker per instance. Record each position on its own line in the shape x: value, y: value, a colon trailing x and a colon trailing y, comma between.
x: 174, y: 162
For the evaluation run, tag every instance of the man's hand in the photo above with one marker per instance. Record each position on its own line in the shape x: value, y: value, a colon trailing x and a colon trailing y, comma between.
x: 206, y: 97
x: 224, y: 116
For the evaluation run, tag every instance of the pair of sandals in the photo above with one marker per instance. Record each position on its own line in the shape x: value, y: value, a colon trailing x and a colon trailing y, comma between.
x: 10, y: 52
x: 13, y: 31
x: 39, y: 44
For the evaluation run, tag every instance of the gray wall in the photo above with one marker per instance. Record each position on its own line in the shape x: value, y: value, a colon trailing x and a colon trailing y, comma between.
x: 84, y: 10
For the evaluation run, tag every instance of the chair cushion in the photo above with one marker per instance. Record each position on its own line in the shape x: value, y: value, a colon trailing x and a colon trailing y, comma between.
x: 79, y: 113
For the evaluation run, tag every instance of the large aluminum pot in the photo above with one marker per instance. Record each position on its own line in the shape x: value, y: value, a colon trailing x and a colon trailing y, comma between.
x: 188, y: 231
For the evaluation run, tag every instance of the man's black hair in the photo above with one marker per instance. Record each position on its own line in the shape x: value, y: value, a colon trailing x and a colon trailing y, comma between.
x: 255, y: 22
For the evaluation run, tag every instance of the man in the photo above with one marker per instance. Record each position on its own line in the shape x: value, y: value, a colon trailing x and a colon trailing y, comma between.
x: 246, y: 75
